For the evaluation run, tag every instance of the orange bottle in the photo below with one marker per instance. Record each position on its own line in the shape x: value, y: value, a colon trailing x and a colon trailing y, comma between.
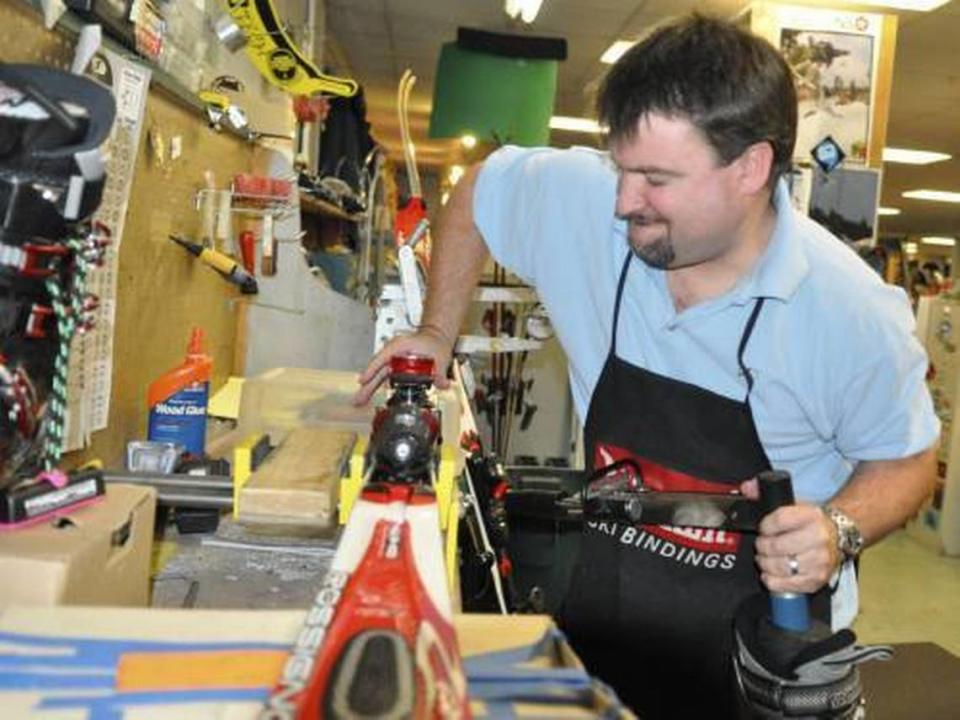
x: 178, y: 399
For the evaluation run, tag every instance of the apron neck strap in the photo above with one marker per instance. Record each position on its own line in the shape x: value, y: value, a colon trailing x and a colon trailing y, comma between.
x: 616, y: 302
x: 744, y: 339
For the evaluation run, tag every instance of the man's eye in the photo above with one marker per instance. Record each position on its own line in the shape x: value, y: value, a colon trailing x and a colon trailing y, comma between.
x: 656, y: 180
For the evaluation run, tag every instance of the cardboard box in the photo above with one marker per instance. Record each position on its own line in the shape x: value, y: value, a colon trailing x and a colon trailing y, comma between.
x: 96, y: 555
x: 199, y: 664
x: 539, y: 665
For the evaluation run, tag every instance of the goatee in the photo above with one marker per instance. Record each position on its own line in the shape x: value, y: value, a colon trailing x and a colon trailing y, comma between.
x: 659, y: 254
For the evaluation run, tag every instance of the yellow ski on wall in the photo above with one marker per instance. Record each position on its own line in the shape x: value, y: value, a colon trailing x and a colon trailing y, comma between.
x: 276, y: 56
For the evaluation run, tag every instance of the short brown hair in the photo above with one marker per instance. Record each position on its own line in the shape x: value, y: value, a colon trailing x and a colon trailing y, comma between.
x: 735, y: 87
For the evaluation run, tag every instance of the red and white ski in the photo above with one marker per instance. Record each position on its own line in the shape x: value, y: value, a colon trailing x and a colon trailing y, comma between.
x: 379, y: 640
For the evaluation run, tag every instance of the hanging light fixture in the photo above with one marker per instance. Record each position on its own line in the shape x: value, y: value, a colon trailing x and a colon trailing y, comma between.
x: 499, y: 88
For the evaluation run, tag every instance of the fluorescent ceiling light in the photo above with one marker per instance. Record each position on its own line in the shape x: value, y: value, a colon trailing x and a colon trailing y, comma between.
x: 913, y: 157
x: 934, y: 240
x: 910, y: 248
x: 935, y: 195
x: 888, y: 211
x: 615, y: 51
x: 918, y: 5
x: 526, y: 10
x: 562, y: 122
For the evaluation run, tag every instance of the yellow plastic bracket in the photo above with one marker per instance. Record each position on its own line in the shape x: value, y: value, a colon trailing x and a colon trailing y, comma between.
x: 445, y: 483
x: 214, y: 99
x: 243, y: 467
x: 350, y: 485
x: 450, y: 549
x: 446, y: 490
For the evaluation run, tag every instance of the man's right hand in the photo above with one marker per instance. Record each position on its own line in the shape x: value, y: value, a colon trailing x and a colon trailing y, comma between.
x: 427, y: 341
x: 459, y: 254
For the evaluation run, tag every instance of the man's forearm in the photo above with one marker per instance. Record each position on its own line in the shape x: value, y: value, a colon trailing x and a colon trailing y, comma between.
x: 459, y: 254
x: 883, y: 494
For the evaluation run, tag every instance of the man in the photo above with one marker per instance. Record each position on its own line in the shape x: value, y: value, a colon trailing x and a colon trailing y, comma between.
x: 745, y: 337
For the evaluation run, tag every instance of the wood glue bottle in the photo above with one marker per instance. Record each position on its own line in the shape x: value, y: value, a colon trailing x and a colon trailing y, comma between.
x: 178, y: 400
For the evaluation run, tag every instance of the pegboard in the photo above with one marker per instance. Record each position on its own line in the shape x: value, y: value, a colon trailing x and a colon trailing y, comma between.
x: 24, y: 39
x: 161, y: 291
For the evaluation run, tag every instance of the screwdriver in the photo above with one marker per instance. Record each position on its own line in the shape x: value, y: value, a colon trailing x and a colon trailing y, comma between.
x: 223, y: 264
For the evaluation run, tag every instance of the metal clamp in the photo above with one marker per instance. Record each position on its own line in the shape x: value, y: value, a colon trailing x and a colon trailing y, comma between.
x: 32, y: 260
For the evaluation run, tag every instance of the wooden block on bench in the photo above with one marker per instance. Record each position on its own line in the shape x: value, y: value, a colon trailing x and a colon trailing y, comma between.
x: 295, y: 490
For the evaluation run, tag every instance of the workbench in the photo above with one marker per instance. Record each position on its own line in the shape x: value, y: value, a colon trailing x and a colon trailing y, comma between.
x: 227, y: 606
x: 247, y: 600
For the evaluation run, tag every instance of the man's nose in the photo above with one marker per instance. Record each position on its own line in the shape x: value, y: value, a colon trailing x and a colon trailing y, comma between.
x: 631, y: 194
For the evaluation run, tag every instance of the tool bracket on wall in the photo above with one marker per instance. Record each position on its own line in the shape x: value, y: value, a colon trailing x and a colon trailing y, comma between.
x: 255, y: 204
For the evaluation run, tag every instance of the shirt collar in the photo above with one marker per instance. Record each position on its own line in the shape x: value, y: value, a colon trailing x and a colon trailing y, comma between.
x: 783, y: 265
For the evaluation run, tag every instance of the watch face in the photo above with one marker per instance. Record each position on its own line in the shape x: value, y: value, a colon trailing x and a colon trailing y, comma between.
x: 855, y: 539
x: 852, y: 542
x: 849, y: 539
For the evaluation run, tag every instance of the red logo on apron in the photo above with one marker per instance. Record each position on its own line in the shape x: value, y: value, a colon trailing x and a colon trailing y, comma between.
x: 656, y: 477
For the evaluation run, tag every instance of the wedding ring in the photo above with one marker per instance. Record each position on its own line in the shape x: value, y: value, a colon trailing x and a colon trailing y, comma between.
x: 794, y: 565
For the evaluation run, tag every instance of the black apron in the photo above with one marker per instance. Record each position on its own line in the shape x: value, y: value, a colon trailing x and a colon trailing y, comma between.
x: 649, y: 608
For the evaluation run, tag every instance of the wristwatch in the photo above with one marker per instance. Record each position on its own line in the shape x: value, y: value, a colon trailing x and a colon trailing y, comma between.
x: 849, y: 539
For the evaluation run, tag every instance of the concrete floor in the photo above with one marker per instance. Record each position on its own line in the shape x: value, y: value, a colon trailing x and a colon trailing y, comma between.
x: 909, y: 592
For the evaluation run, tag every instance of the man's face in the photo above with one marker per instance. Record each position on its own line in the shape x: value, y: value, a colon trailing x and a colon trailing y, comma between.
x: 681, y: 206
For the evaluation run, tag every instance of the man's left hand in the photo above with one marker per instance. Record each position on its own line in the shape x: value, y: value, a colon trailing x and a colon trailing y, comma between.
x: 796, y: 548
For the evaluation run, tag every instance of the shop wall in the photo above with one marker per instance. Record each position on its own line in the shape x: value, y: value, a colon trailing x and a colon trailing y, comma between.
x: 162, y: 292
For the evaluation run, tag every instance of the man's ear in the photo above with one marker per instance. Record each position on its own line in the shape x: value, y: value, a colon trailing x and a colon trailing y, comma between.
x: 755, y: 164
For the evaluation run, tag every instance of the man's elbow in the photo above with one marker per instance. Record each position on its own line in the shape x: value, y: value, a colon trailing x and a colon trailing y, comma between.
x: 928, y: 470
x: 923, y: 472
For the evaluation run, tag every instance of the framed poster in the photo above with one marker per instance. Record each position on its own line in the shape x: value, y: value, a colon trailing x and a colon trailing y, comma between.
x: 834, y: 58
x: 845, y: 202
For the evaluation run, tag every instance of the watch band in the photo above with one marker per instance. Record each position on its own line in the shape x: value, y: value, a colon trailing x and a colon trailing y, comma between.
x: 849, y: 538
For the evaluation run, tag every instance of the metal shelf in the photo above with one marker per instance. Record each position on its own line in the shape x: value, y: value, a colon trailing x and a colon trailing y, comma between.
x: 315, y: 206
x: 248, y: 204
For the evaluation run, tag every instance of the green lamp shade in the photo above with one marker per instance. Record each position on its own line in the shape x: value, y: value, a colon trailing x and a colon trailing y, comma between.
x: 494, y: 98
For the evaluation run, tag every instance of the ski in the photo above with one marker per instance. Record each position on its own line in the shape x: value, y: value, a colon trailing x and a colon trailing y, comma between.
x: 379, y: 640
x: 484, y: 531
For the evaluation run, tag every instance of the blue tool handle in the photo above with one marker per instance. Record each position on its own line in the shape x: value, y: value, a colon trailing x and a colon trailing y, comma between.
x: 789, y: 611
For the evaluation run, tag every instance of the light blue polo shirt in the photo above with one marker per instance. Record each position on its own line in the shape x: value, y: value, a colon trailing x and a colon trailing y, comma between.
x: 838, y: 373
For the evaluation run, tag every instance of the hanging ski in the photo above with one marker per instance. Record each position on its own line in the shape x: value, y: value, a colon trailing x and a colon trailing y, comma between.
x: 486, y: 570
x: 412, y: 212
